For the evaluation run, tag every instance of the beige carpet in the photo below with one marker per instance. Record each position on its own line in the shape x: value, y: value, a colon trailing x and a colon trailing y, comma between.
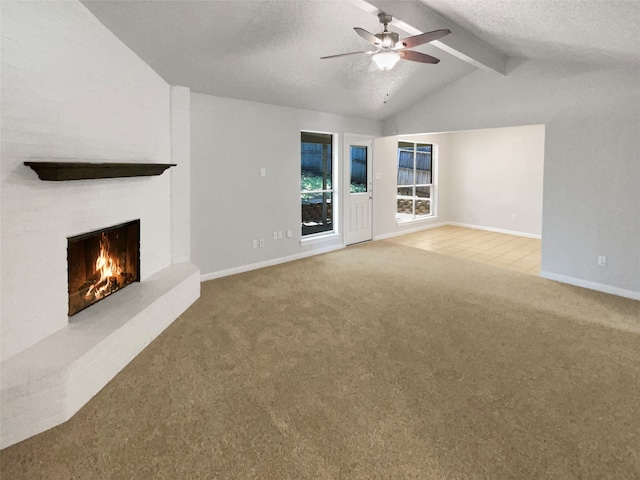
x: 374, y: 362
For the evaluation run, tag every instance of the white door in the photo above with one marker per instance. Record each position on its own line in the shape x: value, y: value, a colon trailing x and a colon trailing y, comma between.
x: 358, y: 193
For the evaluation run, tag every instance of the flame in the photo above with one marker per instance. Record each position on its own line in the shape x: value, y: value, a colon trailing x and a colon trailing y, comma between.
x: 110, y: 272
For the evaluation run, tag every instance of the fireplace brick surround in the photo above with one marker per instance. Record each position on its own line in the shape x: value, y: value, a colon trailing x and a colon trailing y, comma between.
x: 66, y: 369
x: 72, y: 91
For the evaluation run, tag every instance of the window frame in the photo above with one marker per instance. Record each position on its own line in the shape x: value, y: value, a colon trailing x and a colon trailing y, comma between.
x: 413, y: 217
x: 309, y: 237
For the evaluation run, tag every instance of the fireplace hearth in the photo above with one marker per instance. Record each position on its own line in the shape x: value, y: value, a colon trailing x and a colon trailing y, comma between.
x: 102, y: 262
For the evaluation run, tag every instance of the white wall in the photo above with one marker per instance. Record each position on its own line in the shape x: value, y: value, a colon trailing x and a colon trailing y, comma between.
x: 72, y: 91
x: 231, y: 204
x: 591, y: 171
x: 482, y: 178
x: 497, y: 173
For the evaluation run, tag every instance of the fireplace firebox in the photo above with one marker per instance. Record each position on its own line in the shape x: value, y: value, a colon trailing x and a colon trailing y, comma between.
x: 101, y: 263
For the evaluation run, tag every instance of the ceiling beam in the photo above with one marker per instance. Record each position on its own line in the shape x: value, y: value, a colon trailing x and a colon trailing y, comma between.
x: 415, y: 19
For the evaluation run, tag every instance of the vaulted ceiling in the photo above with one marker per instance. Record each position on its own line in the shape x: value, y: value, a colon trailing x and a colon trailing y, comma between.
x: 269, y: 51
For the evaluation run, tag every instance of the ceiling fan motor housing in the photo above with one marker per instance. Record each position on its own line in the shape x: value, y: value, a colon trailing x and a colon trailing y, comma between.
x: 388, y: 39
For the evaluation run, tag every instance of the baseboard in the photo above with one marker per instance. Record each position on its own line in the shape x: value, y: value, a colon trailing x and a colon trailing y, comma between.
x: 276, y: 261
x: 279, y: 260
x: 496, y: 230
x: 599, y: 287
x: 266, y: 263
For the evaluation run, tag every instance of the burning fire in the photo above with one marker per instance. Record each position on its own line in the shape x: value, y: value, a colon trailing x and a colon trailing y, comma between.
x: 111, y: 273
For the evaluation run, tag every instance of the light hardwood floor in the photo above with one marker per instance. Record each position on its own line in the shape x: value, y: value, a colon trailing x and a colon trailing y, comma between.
x: 520, y: 254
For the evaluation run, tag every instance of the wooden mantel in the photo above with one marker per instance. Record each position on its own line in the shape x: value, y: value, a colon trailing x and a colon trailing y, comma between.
x: 61, y: 171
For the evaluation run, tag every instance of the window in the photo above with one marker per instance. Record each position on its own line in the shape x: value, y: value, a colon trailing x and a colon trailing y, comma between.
x: 415, y: 181
x: 316, y: 178
x: 358, y: 169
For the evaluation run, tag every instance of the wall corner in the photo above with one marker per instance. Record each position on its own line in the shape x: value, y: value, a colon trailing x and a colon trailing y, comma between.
x: 181, y: 174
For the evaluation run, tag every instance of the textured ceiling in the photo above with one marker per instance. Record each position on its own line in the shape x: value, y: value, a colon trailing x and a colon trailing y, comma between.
x: 603, y: 32
x: 269, y: 50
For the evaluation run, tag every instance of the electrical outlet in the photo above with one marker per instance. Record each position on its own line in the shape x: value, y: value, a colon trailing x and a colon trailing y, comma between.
x: 514, y: 217
x: 261, y: 242
x: 602, y: 261
x: 289, y: 234
x: 255, y: 244
x: 275, y: 235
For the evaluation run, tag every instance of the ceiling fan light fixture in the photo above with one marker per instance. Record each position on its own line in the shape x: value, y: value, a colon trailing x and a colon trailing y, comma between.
x: 386, y: 60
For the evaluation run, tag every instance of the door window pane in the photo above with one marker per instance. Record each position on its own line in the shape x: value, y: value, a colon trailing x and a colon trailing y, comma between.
x: 358, y: 169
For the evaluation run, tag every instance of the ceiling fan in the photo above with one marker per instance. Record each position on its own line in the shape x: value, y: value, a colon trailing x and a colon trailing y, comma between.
x: 389, y: 49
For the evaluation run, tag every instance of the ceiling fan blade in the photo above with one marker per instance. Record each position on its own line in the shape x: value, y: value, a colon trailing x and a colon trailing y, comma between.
x: 369, y: 37
x: 417, y: 57
x: 423, y: 38
x: 343, y: 54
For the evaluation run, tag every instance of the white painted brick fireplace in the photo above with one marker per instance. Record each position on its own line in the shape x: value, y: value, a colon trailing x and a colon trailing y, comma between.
x: 71, y: 91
